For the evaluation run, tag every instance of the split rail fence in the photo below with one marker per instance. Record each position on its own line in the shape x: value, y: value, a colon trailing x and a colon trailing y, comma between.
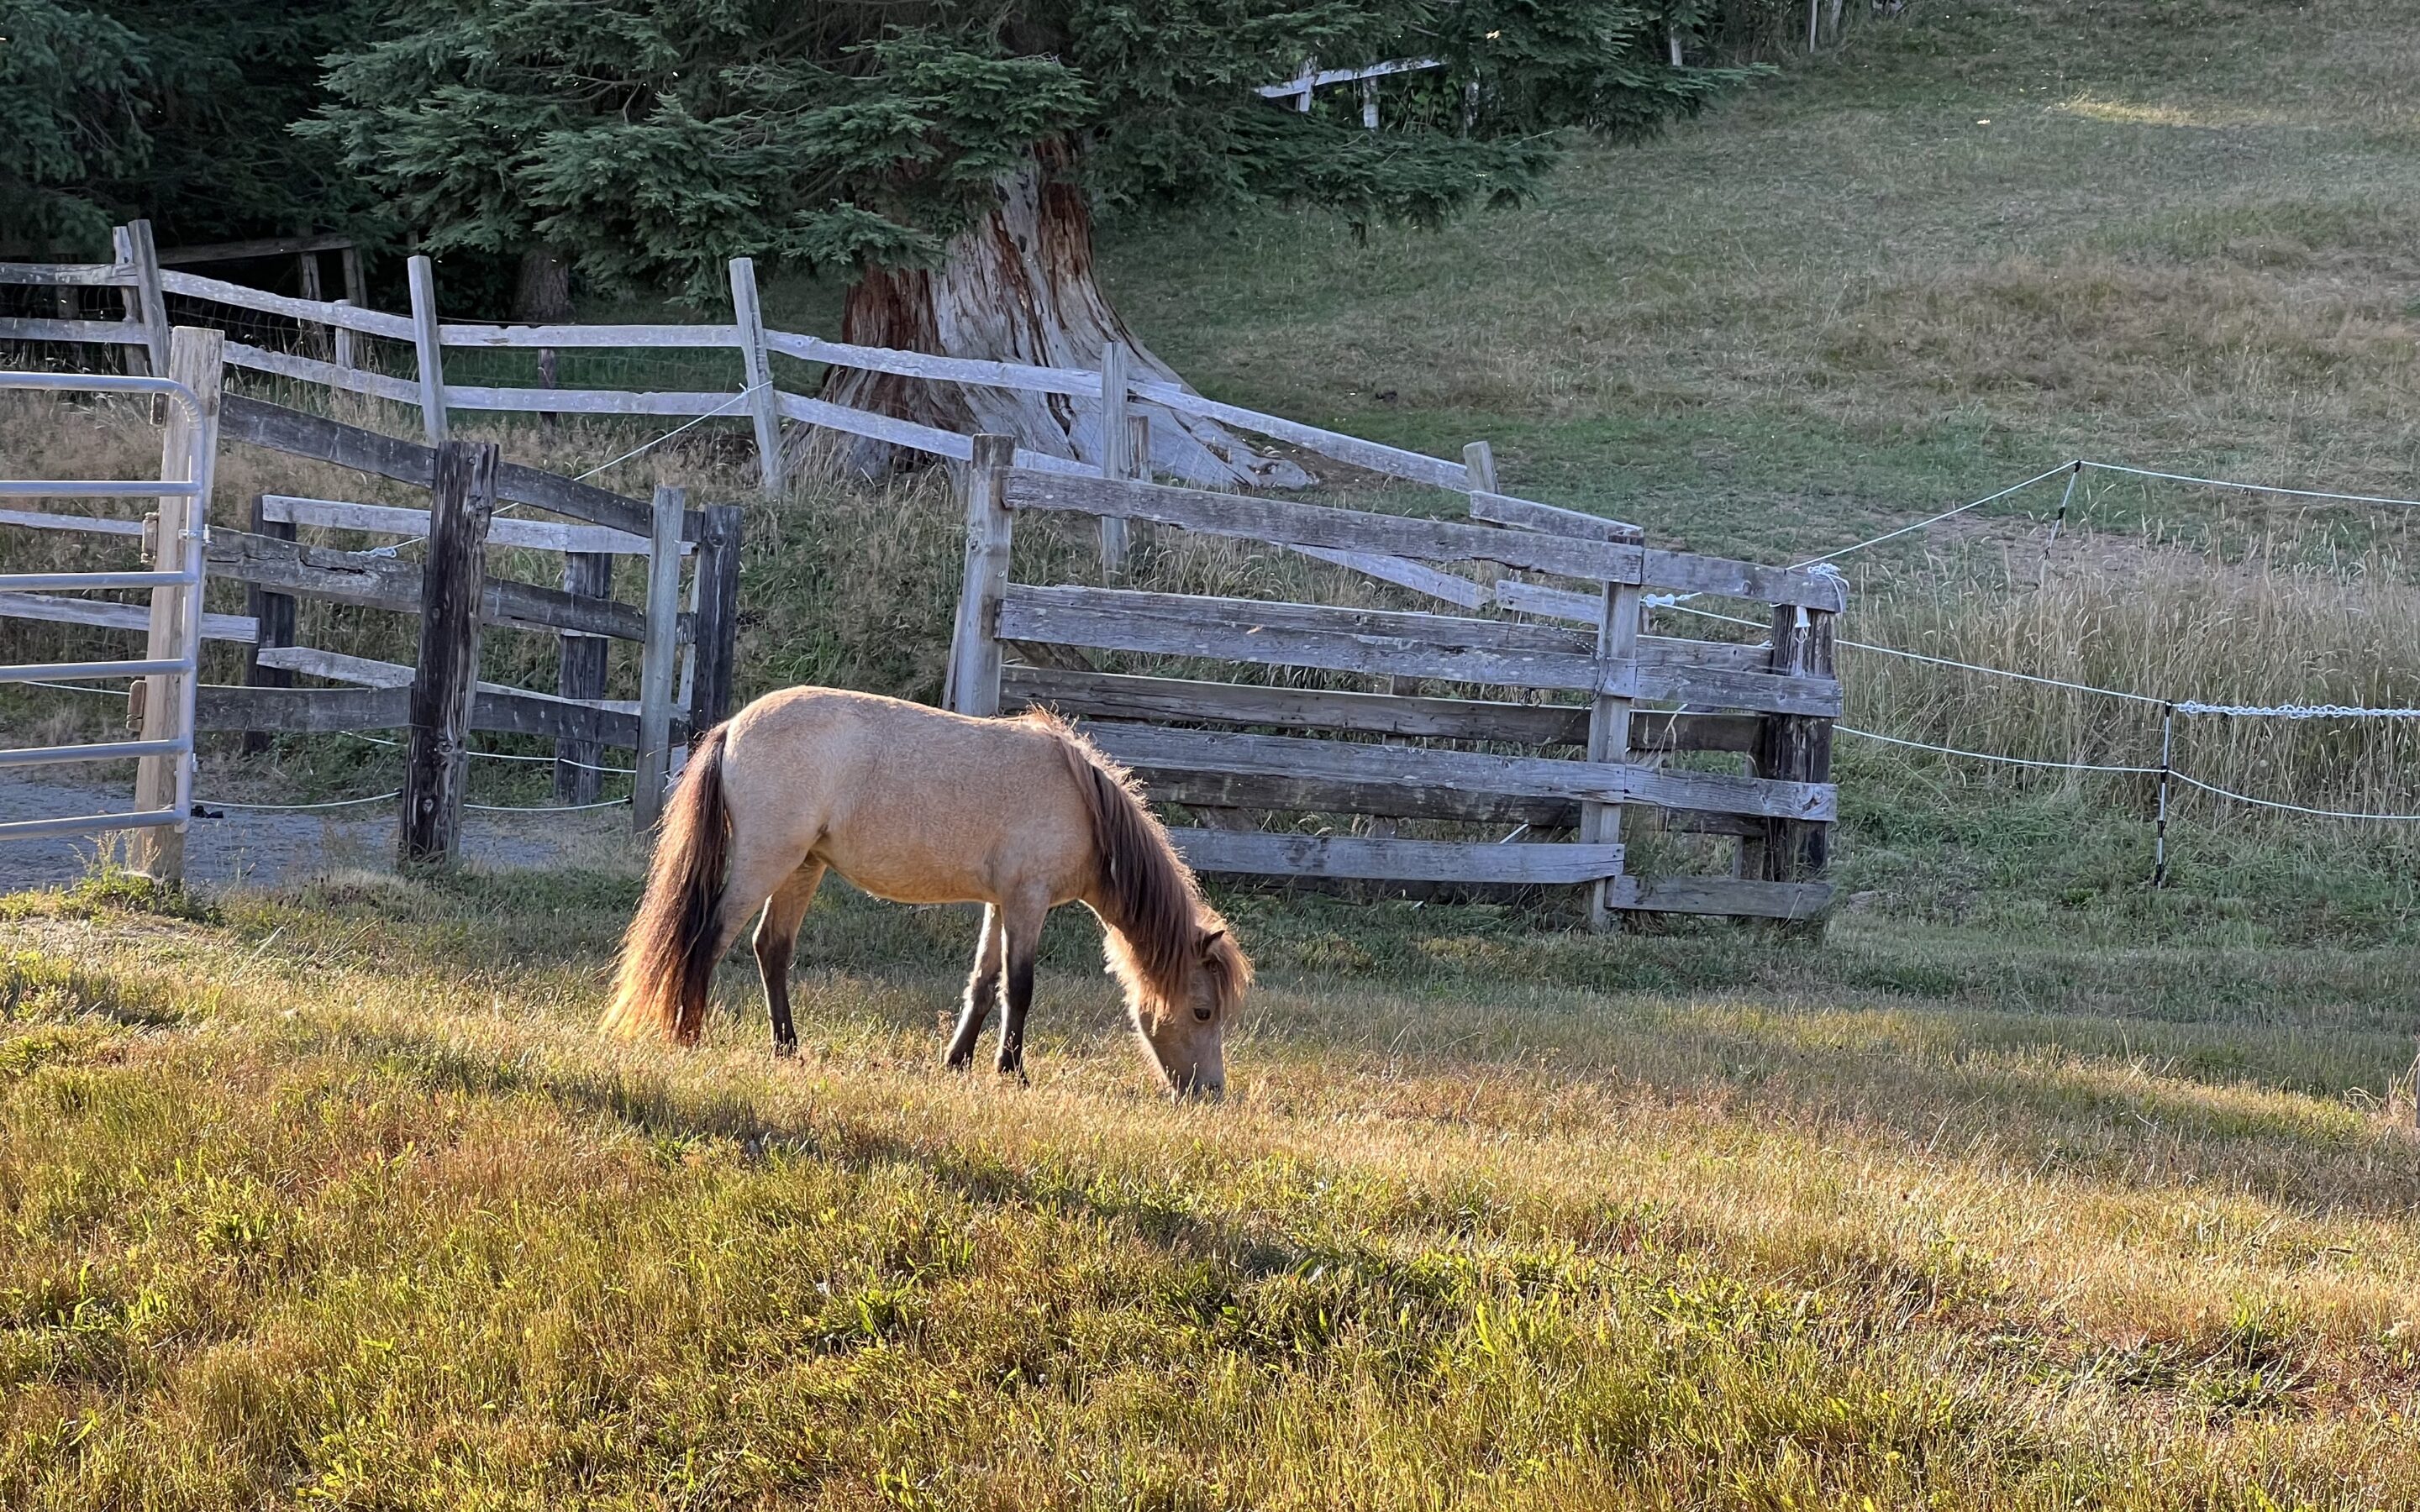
x: 330, y: 344
x: 685, y: 637
x: 1235, y: 752
x: 1226, y: 749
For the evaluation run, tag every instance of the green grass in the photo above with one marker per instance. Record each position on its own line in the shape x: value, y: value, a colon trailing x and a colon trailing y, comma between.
x: 2183, y: 238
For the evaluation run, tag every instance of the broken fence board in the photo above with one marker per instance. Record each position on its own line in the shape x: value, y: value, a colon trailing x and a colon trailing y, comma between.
x: 1391, y: 461
x: 1687, y: 572
x: 1392, y: 860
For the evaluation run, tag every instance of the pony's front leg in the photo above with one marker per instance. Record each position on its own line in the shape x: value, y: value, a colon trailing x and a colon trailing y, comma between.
x: 1021, y: 933
x: 982, y: 989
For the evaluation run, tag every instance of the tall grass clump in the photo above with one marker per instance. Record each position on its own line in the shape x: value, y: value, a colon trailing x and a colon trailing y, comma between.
x: 2166, y: 624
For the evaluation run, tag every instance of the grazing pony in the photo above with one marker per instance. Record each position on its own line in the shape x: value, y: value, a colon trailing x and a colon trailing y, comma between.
x: 923, y: 807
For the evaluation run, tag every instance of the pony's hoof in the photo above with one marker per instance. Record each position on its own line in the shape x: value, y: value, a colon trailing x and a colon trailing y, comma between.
x: 785, y: 1049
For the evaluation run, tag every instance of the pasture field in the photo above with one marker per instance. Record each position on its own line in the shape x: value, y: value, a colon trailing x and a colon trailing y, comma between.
x: 2029, y: 1186
x: 334, y: 1196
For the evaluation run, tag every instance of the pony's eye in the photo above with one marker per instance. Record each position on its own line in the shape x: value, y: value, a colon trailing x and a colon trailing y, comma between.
x: 1205, y: 1014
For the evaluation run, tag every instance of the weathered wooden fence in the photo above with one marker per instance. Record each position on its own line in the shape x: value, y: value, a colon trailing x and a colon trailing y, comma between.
x: 328, y: 340
x: 685, y: 641
x: 1236, y: 752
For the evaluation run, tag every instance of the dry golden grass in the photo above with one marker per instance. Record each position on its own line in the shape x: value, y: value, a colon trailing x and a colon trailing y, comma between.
x: 2031, y: 1187
x: 339, y: 1197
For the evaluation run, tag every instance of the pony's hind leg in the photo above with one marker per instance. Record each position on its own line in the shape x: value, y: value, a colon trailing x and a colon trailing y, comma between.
x: 777, y: 938
x: 1021, y: 936
x: 982, y: 989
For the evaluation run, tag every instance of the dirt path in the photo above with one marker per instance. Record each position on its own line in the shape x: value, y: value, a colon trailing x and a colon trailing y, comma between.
x: 266, y: 848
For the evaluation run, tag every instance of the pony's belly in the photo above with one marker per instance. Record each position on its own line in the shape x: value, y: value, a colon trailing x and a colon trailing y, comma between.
x: 914, y: 875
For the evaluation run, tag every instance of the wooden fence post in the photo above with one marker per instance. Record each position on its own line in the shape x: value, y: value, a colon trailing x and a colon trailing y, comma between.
x: 273, y: 615
x: 357, y: 291
x: 1795, y: 749
x: 716, y: 626
x: 1117, y: 456
x: 344, y: 341
x: 974, y: 648
x: 579, y: 673
x: 1479, y: 462
x: 431, y: 360
x: 147, y: 289
x: 757, y: 363
x: 659, y: 660
x: 1609, y: 734
x: 445, y: 678
x: 188, y: 453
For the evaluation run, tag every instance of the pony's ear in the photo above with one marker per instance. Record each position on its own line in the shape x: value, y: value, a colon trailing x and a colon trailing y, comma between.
x: 1210, y: 937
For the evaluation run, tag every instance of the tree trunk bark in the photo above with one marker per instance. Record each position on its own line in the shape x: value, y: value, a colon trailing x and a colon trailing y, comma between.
x: 1018, y: 287
x: 543, y: 296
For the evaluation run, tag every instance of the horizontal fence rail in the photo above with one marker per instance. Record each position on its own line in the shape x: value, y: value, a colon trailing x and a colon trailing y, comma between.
x: 147, y: 284
x: 1235, y: 752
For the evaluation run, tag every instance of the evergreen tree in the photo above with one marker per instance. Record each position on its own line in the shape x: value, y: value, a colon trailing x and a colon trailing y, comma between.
x: 173, y: 110
x: 70, y: 111
x: 948, y: 153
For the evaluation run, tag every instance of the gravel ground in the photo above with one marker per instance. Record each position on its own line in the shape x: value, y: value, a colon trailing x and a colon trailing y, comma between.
x: 262, y: 849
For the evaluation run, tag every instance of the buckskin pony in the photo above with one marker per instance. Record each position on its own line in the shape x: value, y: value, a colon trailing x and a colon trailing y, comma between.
x: 920, y: 806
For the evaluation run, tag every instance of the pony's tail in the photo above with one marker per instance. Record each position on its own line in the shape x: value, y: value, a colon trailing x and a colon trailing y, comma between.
x: 668, y: 953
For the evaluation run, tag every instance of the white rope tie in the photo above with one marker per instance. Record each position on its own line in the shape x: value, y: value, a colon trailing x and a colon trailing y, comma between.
x: 2294, y: 711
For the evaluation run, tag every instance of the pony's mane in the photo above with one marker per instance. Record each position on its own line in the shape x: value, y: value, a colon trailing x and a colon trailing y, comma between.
x: 1153, y: 906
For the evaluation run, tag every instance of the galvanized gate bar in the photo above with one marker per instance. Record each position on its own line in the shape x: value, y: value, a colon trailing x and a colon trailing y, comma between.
x: 173, y: 744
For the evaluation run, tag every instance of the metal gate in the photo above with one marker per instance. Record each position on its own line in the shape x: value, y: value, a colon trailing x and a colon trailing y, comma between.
x: 174, y: 539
